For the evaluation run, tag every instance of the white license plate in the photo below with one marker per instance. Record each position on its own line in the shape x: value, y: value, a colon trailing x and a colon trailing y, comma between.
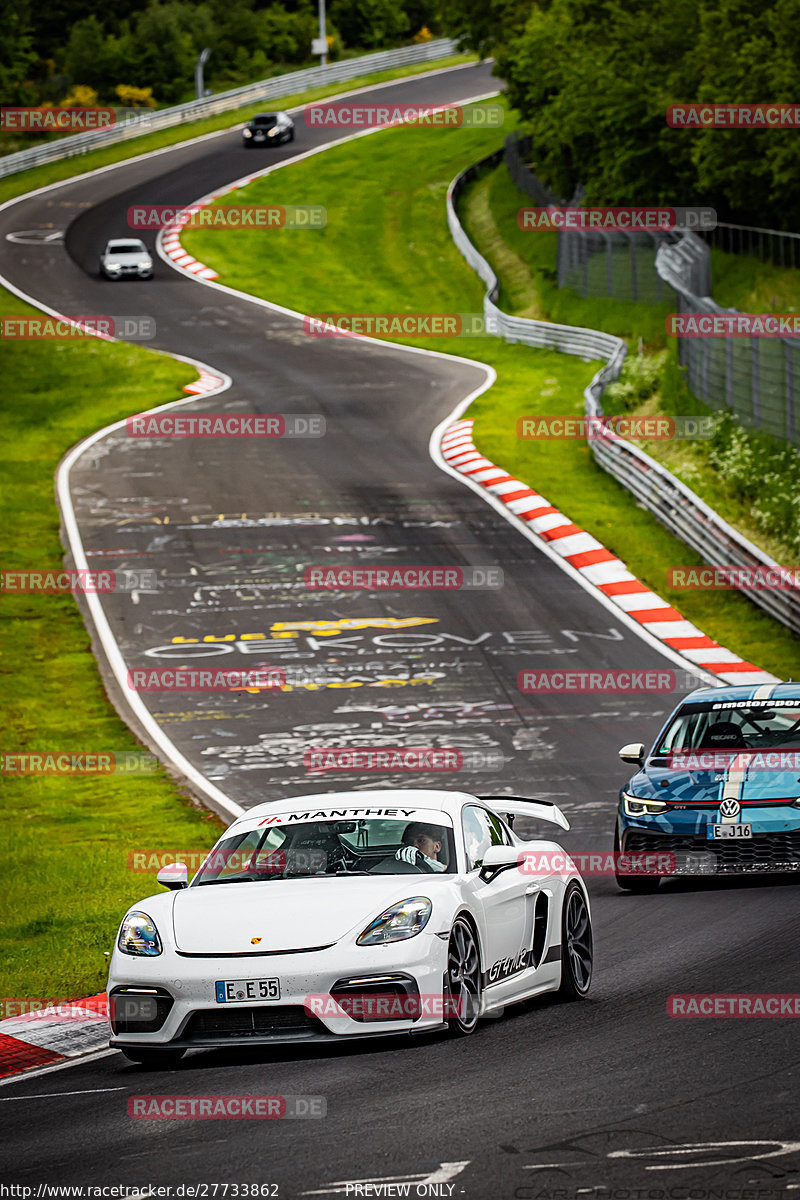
x: 244, y: 991
x: 730, y: 831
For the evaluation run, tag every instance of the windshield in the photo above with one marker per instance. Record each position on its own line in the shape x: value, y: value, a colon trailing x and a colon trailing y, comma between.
x: 265, y: 121
x: 366, y: 846
x: 127, y: 248
x: 733, y: 725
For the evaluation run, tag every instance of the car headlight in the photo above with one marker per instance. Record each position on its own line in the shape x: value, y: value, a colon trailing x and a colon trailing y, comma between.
x: 145, y: 264
x: 113, y: 267
x: 634, y: 807
x: 247, y: 133
x: 396, y: 924
x: 138, y: 935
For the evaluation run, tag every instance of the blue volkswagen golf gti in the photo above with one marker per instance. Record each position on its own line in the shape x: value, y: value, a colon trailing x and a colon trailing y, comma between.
x: 718, y: 793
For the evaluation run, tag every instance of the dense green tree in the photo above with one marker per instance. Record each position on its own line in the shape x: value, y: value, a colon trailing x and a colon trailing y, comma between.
x: 592, y: 80
x: 17, y: 56
x: 369, y: 23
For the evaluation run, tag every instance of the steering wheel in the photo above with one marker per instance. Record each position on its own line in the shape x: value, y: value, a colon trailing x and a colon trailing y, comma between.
x: 341, y: 859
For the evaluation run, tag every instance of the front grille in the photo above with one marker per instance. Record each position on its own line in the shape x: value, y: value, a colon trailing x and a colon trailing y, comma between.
x: 138, y: 1010
x: 762, y: 852
x: 372, y: 1000
x: 259, y: 1021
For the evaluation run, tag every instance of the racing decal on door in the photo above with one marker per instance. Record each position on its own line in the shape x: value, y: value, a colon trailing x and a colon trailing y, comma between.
x: 504, y: 968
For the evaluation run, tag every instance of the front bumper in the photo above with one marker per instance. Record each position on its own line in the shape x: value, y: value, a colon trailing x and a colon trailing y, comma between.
x: 129, y: 273
x: 695, y: 854
x: 194, y: 1018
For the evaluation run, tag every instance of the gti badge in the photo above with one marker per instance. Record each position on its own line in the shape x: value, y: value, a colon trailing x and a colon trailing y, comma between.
x: 730, y: 808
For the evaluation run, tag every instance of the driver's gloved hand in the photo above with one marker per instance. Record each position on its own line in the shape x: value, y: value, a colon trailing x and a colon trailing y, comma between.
x: 411, y: 854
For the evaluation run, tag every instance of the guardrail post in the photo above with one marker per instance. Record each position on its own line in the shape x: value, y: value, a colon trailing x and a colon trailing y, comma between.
x: 788, y: 351
x: 755, y: 376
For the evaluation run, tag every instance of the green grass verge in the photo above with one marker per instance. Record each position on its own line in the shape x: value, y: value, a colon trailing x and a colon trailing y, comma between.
x: 742, y: 281
x: 36, y: 177
x: 396, y: 218
x: 66, y: 882
x: 525, y: 264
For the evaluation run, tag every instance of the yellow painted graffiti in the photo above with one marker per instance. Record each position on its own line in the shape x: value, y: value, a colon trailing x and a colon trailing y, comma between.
x: 291, y: 629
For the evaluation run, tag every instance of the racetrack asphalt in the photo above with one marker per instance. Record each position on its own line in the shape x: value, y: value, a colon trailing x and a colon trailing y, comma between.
x: 604, y: 1089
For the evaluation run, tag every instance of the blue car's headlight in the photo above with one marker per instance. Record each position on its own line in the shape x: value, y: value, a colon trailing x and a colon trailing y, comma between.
x: 396, y: 924
x: 634, y: 807
x: 138, y: 935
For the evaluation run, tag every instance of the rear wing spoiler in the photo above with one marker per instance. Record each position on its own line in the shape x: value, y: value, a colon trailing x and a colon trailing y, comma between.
x: 527, y: 806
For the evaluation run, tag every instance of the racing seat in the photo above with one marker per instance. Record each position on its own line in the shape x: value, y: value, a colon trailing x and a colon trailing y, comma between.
x: 725, y: 735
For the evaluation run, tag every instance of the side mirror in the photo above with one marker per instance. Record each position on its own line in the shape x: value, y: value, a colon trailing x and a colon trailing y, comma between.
x: 633, y: 753
x: 174, y: 876
x: 497, y: 859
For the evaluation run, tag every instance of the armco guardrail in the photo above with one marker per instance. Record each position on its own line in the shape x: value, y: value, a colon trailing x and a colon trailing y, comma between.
x: 569, y: 339
x: 267, y: 89
x: 675, y: 505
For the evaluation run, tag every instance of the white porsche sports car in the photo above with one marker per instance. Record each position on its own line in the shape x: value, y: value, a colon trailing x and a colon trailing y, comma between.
x: 350, y: 915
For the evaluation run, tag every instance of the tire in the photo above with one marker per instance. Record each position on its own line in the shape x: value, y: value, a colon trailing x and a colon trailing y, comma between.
x: 291, y: 135
x: 463, y: 978
x: 577, y: 945
x: 152, y: 1058
x: 640, y: 885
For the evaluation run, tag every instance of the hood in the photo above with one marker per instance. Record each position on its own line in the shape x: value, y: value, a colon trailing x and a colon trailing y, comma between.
x: 291, y: 914
x: 706, y: 786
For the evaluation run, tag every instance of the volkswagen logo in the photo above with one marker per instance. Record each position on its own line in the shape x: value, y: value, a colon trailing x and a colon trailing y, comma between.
x: 730, y: 808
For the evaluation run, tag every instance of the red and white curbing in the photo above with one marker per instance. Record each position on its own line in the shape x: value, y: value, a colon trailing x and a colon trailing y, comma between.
x: 171, y: 238
x: 50, y: 1036
x: 594, y: 563
x: 173, y: 249
x: 207, y: 382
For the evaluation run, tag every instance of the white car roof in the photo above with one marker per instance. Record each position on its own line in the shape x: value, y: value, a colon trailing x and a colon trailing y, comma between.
x: 115, y: 242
